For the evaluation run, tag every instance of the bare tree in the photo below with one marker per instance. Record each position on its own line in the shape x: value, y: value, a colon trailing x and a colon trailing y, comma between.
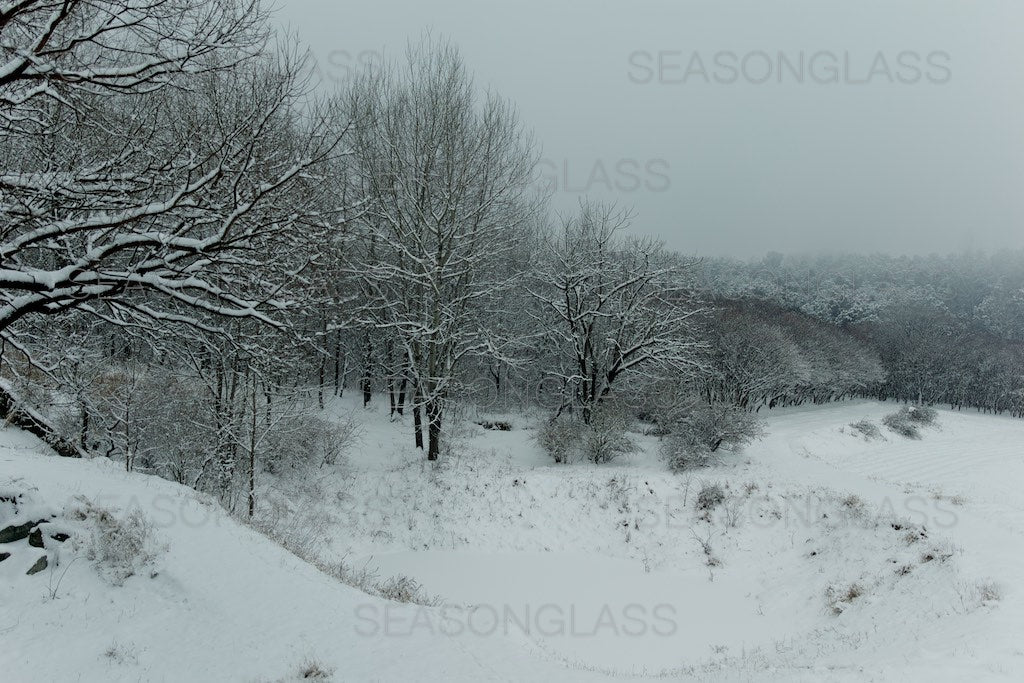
x: 615, y: 306
x: 152, y: 160
x: 446, y: 176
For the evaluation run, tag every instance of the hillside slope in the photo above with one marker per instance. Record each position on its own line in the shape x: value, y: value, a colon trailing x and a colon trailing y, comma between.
x: 829, y: 557
x: 219, y: 602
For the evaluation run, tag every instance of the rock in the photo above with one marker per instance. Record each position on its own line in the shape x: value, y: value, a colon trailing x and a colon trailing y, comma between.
x: 10, y: 534
x: 39, y: 566
x: 4, y: 556
x: 35, y: 539
x: 499, y: 425
x: 59, y: 537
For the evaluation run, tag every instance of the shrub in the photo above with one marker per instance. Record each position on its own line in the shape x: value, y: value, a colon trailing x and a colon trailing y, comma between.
x: 604, y: 439
x: 710, y: 497
x: 705, y: 429
x: 121, y: 653
x: 868, y: 429
x: 303, y: 534
x: 925, y: 415
x: 305, y: 440
x: 854, y: 506
x: 402, y: 588
x: 568, y: 439
x: 559, y: 437
x: 839, y: 599
x: 120, y: 547
x: 316, y: 671
x: 989, y: 591
x: 710, y: 559
x: 907, y: 420
x: 853, y: 502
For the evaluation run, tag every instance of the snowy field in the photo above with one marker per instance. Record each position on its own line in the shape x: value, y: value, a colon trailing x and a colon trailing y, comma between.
x: 828, y: 556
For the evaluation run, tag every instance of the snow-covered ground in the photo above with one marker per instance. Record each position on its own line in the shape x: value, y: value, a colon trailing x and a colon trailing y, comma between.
x: 831, y: 557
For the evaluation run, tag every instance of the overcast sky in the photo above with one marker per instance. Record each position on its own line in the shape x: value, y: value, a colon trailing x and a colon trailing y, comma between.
x: 897, y: 125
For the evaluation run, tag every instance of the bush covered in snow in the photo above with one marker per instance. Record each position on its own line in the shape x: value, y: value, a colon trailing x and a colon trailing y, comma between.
x: 559, y: 437
x: 908, y: 420
x: 315, y: 671
x: 567, y: 438
x: 304, y: 440
x: 710, y: 497
x: 867, y: 429
x: 705, y: 429
x: 120, y: 546
x: 924, y: 415
x: 604, y: 439
x: 403, y: 588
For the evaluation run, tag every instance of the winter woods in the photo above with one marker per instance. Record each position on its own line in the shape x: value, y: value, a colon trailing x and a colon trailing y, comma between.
x: 168, y: 183
x: 445, y: 176
x: 197, y: 250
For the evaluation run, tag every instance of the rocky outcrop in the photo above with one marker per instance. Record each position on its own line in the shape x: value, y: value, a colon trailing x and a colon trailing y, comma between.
x: 17, y: 532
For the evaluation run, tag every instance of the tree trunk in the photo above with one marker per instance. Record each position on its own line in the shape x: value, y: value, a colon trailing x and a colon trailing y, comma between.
x: 433, y: 429
x: 366, y: 380
x: 252, y: 453
x: 400, y: 408
x: 337, y: 364
x: 417, y: 416
x: 83, y: 435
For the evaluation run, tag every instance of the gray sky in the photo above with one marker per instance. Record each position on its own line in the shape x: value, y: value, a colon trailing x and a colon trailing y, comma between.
x: 904, y: 133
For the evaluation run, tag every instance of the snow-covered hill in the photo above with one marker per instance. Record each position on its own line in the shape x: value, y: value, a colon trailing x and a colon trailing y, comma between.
x: 829, y: 557
x: 219, y: 602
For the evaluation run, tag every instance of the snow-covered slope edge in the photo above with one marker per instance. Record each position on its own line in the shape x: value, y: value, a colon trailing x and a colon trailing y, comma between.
x: 219, y: 602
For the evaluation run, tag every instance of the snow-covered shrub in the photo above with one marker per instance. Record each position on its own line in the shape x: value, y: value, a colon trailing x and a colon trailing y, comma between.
x: 705, y: 429
x: 854, y: 508
x: 121, y: 653
x: 868, y: 429
x: 315, y: 671
x: 120, y: 546
x: 838, y: 598
x: 568, y: 439
x: 988, y: 591
x: 710, y: 559
x: 604, y: 439
x: 559, y: 437
x: 401, y: 588
x: 710, y: 497
x: 939, y: 551
x: 304, y: 440
x: 853, y: 502
x: 903, y: 423
x: 924, y: 415
x: 302, y: 534
x: 907, y: 420
x: 152, y: 419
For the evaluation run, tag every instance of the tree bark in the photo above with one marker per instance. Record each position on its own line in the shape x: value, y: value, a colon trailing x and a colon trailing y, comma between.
x: 433, y: 430
x: 417, y: 416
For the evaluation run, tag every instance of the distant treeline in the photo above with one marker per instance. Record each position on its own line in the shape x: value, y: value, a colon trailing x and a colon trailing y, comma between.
x: 933, y: 330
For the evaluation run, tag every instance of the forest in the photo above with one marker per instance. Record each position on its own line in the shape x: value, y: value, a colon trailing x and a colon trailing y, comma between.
x: 198, y: 248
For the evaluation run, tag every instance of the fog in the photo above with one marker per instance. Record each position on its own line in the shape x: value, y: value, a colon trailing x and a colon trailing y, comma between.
x: 738, y: 128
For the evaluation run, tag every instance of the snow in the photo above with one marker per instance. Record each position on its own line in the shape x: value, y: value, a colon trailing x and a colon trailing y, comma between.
x: 834, y: 558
